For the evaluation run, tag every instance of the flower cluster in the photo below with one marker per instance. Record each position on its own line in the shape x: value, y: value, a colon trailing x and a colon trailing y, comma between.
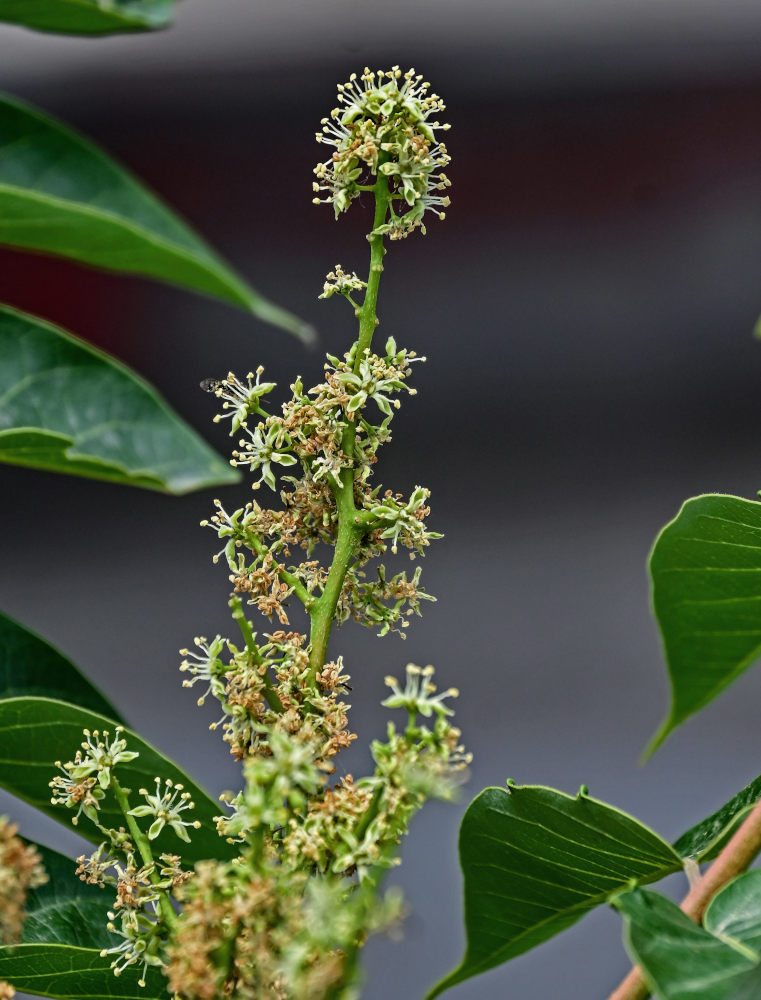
x: 354, y: 827
x: 341, y: 283
x: 142, y: 913
x: 382, y: 127
x: 287, y: 920
x: 265, y: 692
x: 312, y: 432
x: 20, y: 870
x: 257, y: 930
x: 83, y: 781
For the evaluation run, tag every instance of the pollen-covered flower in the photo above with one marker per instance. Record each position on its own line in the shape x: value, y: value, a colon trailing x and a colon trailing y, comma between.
x: 383, y: 126
x: 405, y: 521
x: 338, y: 281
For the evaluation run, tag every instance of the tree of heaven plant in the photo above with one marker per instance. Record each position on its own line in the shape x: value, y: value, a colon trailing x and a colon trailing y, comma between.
x: 284, y: 909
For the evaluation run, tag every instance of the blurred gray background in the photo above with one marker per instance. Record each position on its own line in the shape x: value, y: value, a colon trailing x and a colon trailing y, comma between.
x: 587, y: 309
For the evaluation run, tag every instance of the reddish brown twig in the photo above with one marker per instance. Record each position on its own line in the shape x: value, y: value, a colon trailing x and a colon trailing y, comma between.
x: 741, y: 849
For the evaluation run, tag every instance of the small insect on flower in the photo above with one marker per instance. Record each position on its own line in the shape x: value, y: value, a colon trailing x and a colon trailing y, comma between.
x: 210, y: 384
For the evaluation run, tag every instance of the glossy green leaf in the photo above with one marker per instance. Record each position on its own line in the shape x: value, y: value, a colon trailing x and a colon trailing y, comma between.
x: 704, y: 840
x: 31, y: 666
x: 65, y: 930
x: 35, y: 732
x: 535, y: 861
x: 87, y: 17
x: 734, y: 914
x: 62, y: 195
x: 680, y: 960
x: 68, y: 407
x: 706, y: 576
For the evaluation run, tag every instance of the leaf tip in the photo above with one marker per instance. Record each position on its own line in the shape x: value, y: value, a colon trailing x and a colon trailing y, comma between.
x: 308, y: 335
x: 657, y: 741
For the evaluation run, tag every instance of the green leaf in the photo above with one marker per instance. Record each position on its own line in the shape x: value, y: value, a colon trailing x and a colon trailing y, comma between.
x: 734, y: 914
x: 535, y: 861
x: 31, y: 666
x: 87, y: 17
x: 50, y: 970
x: 706, y: 576
x: 35, y: 732
x: 704, y: 840
x: 62, y: 195
x: 68, y: 407
x: 65, y: 930
x: 680, y: 960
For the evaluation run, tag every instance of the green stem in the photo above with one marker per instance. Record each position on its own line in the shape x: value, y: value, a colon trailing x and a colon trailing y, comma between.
x: 144, y: 850
x: 372, y: 812
x: 323, y: 609
x: 293, y: 582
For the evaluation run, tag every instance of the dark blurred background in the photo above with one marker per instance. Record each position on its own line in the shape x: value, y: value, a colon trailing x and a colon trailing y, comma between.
x: 587, y: 309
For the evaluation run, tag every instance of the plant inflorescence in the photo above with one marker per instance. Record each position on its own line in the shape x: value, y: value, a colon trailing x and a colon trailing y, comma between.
x: 286, y: 916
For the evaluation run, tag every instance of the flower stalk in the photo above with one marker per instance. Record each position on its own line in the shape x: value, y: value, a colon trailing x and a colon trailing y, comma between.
x: 144, y: 850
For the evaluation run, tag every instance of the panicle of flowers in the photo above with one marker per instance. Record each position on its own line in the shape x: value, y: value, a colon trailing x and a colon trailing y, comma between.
x: 20, y: 870
x: 135, y: 917
x: 354, y: 827
x: 287, y: 918
x: 142, y: 912
x: 383, y: 125
x: 278, y: 786
x: 143, y: 937
x: 404, y: 522
x: 259, y: 542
